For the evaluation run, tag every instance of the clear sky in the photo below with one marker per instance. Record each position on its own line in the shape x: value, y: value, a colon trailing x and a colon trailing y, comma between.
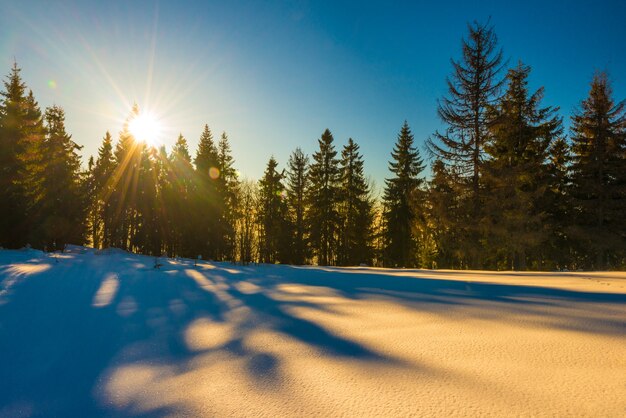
x: 274, y: 75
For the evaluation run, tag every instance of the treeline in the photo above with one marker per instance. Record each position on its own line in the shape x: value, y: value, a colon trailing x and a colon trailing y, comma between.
x: 509, y: 189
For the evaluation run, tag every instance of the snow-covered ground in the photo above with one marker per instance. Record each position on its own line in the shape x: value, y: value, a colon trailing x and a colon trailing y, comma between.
x: 89, y: 335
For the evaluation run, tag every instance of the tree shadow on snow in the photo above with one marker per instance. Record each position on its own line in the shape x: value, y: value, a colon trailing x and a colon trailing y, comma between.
x: 60, y: 342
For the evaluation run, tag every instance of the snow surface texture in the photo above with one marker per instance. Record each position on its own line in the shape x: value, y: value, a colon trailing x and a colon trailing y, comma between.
x: 86, y: 335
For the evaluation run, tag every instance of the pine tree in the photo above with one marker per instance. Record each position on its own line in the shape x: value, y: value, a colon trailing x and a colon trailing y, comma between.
x: 94, y: 220
x: 401, y: 201
x: 472, y: 88
x: 516, y: 175
x: 21, y: 132
x: 297, y: 184
x: 101, y: 189
x: 205, y: 197
x: 322, y: 198
x: 146, y: 233
x: 558, y: 205
x: 274, y: 239
x: 127, y: 156
x: 443, y: 207
x: 32, y: 160
x: 599, y: 175
x: 227, y: 184
x: 60, y: 195
x: 178, y: 193
x: 355, y: 209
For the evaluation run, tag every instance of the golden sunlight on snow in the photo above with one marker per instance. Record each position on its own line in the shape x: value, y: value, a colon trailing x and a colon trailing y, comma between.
x: 216, y: 339
x: 330, y: 354
x: 106, y: 292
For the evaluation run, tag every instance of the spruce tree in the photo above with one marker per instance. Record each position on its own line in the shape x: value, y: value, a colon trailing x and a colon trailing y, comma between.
x: 205, y: 197
x: 297, y: 185
x: 355, y: 209
x: 274, y: 238
x: 33, y: 159
x: 146, y: 231
x: 322, y: 199
x: 558, y: 205
x: 178, y: 192
x: 227, y: 184
x: 401, y: 200
x: 60, y: 195
x: 516, y: 175
x: 443, y: 207
x: 94, y: 220
x: 127, y: 156
x: 102, y: 186
x: 599, y: 175
x: 473, y: 87
x: 18, y: 116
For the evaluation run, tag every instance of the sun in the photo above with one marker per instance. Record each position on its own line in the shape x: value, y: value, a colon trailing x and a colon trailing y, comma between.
x: 145, y: 127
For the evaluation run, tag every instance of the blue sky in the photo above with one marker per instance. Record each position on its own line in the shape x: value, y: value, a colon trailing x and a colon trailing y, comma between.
x: 274, y: 75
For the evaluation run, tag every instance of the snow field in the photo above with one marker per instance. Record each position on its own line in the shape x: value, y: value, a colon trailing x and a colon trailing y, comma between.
x: 109, y: 335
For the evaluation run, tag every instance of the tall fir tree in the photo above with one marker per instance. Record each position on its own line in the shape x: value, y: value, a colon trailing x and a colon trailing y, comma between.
x: 599, y: 175
x: 401, y: 201
x: 273, y: 215
x: 102, y: 187
x: 473, y: 87
x: 146, y: 230
x: 322, y: 198
x: 60, y: 195
x: 443, y: 208
x: 94, y: 220
x: 355, y: 209
x: 558, y: 204
x: 205, y: 197
x: 178, y: 190
x: 21, y: 133
x: 227, y: 184
x: 297, y: 185
x: 127, y: 156
x: 516, y: 174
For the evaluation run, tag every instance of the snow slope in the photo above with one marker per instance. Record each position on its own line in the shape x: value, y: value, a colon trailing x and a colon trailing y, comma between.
x: 89, y: 335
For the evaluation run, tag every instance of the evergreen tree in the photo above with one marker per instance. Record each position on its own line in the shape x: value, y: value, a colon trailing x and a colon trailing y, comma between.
x: 443, y: 207
x: 472, y: 88
x: 127, y: 156
x: 516, y: 175
x: 355, y: 209
x: 274, y: 239
x: 401, y: 201
x: 322, y: 197
x: 94, y: 220
x: 206, y: 207
x: 599, y: 175
x: 178, y: 192
x: 60, y: 195
x: 101, y: 189
x: 21, y: 130
x: 297, y: 184
x: 559, y: 205
x: 227, y: 184
x: 145, y: 232
x: 32, y: 160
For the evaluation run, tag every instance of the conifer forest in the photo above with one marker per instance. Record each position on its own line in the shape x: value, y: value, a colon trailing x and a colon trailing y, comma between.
x: 504, y: 185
